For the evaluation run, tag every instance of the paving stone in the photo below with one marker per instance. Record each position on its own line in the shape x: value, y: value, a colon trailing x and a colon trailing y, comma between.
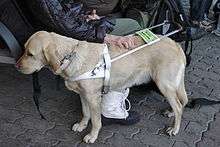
x: 192, y: 78
x: 209, y: 111
x: 3, y: 131
x: 62, y: 133
x: 155, y: 140
x: 10, y: 130
x: 32, y: 123
x: 188, y: 138
x: 208, y: 83
x: 215, y: 94
x: 180, y: 144
x: 207, y: 142
x: 197, y: 116
x: 119, y: 140
x: 214, y: 131
x: 10, y: 115
x: 41, y: 144
x: 194, y: 128
x: 33, y: 137
x: 10, y: 142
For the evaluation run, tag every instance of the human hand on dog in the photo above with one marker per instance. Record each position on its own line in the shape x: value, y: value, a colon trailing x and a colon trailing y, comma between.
x: 92, y: 16
x: 127, y: 42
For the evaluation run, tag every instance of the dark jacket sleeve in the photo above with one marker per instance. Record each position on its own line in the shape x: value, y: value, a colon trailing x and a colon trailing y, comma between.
x: 69, y: 20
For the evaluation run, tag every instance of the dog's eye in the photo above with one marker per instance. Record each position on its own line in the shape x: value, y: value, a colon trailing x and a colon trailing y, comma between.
x: 29, y: 54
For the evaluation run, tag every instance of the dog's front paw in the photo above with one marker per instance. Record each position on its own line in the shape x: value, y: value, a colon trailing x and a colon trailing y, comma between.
x: 171, y: 131
x: 78, y: 127
x: 90, y: 138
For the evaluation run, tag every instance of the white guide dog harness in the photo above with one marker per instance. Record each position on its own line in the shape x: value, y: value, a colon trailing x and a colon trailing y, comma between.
x: 103, y: 68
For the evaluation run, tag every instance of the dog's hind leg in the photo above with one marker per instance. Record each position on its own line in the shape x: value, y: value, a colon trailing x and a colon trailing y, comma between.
x: 182, y: 96
x: 171, y: 96
x: 174, y: 91
x: 86, y: 116
x: 181, y: 93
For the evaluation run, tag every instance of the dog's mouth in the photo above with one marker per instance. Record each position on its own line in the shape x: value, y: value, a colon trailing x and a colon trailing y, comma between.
x: 27, y: 70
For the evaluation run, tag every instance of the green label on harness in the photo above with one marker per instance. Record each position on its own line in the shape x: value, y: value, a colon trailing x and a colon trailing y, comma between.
x: 147, y: 35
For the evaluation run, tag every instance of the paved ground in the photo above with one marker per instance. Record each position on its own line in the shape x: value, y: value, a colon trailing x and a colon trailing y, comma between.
x: 21, y: 126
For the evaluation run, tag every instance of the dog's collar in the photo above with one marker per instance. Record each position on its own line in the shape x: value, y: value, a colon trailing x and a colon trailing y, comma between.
x: 64, y: 63
x: 67, y: 59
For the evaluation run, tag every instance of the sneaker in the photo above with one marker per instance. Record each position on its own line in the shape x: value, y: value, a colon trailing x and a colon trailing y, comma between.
x: 114, y: 104
x: 132, y: 118
x: 114, y: 109
x: 197, y: 33
x: 217, y: 31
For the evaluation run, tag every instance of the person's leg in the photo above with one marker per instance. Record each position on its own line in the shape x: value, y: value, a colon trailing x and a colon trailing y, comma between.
x: 195, y: 9
x: 114, y: 109
x: 204, y: 9
x: 125, y: 26
x: 113, y: 103
x: 207, y: 6
x: 200, y: 25
x: 217, y: 31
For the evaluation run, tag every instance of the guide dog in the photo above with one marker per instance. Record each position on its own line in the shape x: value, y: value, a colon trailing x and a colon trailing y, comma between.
x: 163, y: 62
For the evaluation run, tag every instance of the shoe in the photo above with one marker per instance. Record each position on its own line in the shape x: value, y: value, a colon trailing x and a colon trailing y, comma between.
x: 217, y: 31
x: 114, y: 104
x: 197, y: 33
x: 132, y: 118
x: 114, y: 110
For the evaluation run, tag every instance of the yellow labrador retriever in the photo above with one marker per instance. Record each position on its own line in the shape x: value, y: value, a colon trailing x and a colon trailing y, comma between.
x: 163, y: 62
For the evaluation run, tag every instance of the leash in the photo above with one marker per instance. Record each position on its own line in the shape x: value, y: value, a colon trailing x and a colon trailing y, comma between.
x: 202, y: 102
x: 37, y: 92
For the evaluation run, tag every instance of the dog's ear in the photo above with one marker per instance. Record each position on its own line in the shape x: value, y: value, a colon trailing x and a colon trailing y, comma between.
x: 52, y: 57
x: 38, y: 34
x: 37, y: 42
